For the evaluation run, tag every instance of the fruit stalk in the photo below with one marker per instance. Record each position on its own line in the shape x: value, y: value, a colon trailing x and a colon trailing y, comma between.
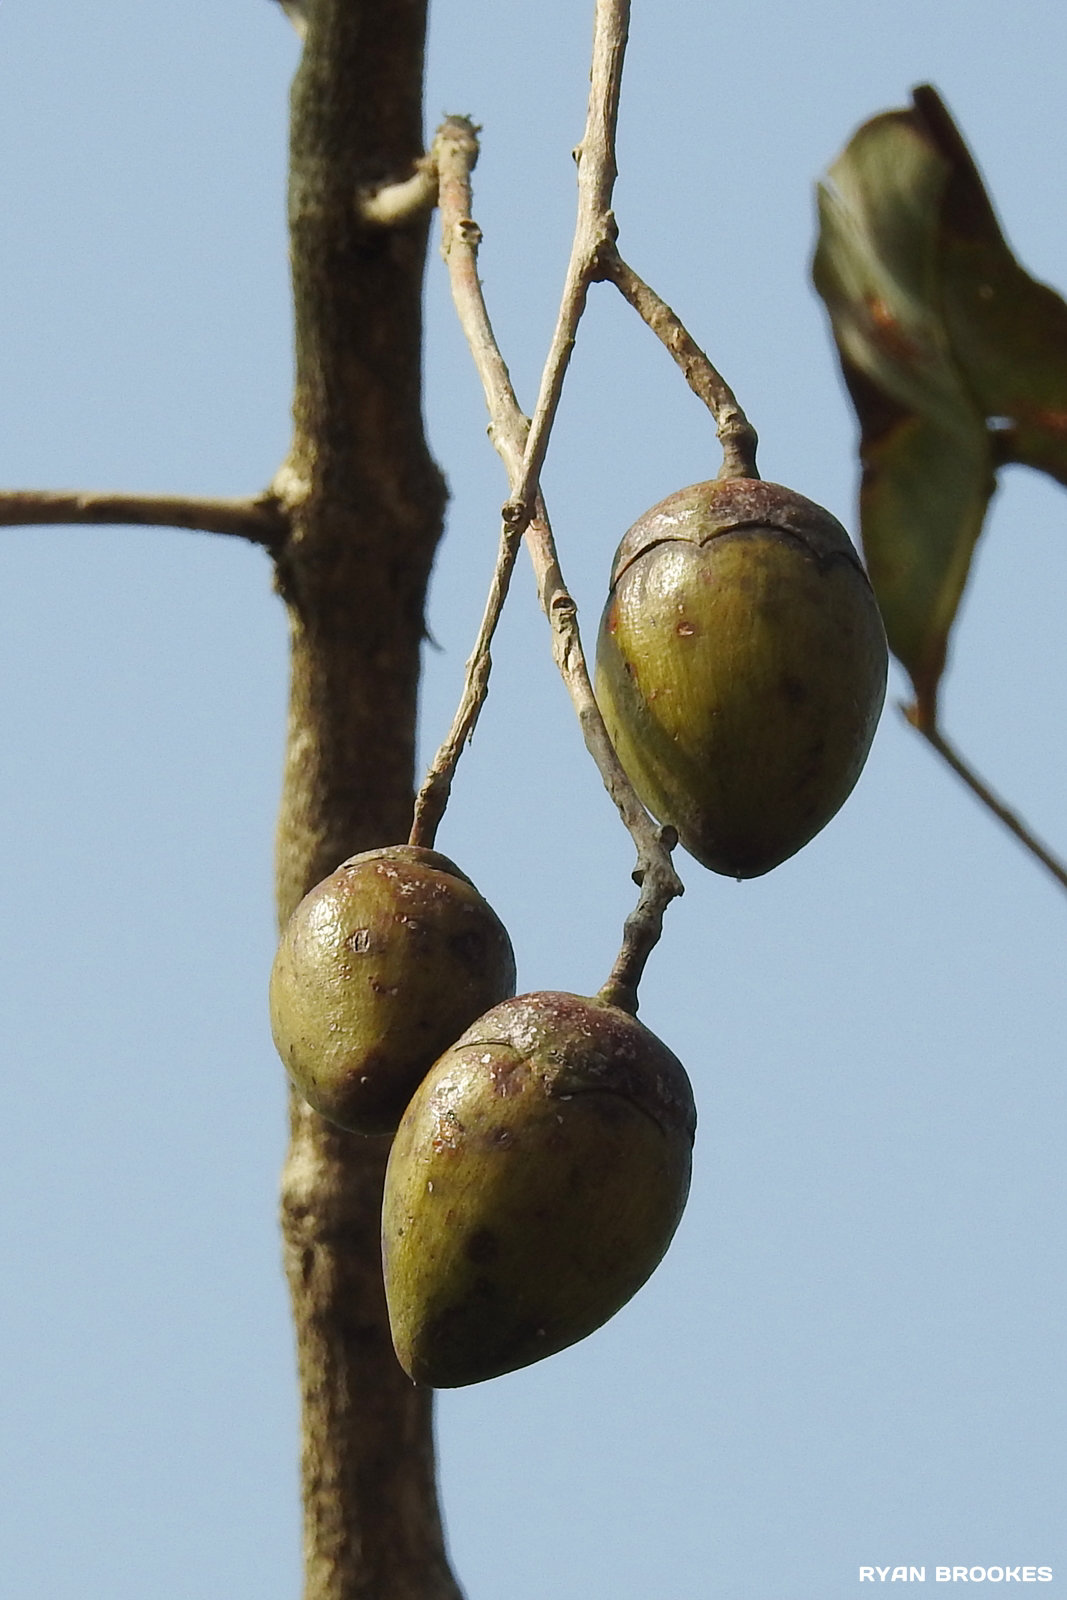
x: 736, y: 434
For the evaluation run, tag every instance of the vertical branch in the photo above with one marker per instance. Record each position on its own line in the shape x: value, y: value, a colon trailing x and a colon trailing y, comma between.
x: 365, y: 504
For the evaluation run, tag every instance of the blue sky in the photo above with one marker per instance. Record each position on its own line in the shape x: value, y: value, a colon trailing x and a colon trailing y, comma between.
x: 853, y: 1352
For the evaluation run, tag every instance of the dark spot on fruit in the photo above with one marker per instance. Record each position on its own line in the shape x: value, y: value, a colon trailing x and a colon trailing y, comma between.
x: 684, y: 629
x: 359, y: 940
x: 609, y: 1108
x: 470, y: 948
x: 794, y: 690
x: 482, y: 1246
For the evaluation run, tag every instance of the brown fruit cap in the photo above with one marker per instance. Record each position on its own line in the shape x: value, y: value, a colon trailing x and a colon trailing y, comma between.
x: 379, y: 968
x: 534, y: 1183
x: 741, y: 669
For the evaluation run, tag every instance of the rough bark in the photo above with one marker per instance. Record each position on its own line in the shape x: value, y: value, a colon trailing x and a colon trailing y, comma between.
x: 365, y: 502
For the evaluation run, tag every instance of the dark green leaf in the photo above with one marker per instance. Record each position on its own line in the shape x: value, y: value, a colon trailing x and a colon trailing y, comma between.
x: 923, y: 499
x: 1007, y: 332
x: 926, y: 451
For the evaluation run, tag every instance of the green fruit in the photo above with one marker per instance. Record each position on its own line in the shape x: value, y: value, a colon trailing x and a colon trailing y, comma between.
x: 741, y: 669
x: 534, y: 1183
x: 380, y: 967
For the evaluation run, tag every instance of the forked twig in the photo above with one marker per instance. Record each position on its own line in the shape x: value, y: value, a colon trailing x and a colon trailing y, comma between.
x: 522, y: 444
x: 594, y: 229
x: 982, y: 792
x: 595, y: 258
x: 456, y: 149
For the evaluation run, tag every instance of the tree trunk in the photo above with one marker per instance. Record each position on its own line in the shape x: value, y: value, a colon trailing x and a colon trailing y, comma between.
x: 366, y: 504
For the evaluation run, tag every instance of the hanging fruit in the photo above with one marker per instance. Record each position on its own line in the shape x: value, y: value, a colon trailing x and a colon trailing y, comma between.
x: 741, y: 669
x: 534, y: 1183
x: 379, y: 969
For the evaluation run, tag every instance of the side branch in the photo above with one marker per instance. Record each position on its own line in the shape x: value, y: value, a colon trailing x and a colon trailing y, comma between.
x: 394, y: 204
x: 262, y: 520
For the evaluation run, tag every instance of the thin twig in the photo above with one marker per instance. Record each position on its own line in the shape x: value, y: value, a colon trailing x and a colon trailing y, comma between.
x: 261, y: 520
x: 981, y: 790
x: 736, y: 434
x: 436, y: 787
x: 455, y: 152
x: 456, y: 148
